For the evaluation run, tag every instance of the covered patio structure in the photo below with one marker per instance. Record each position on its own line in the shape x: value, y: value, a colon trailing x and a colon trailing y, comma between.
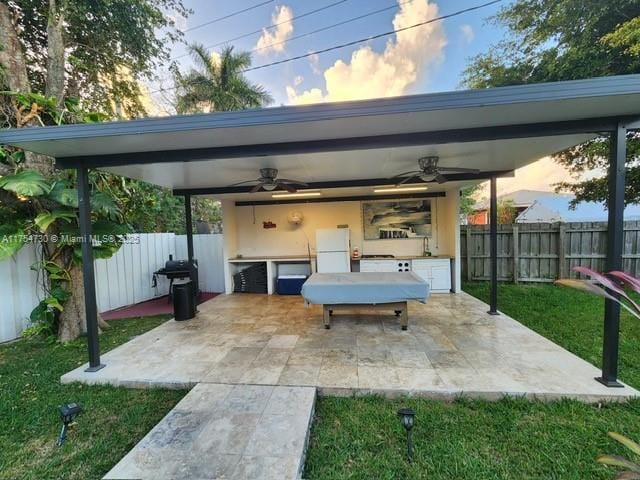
x: 347, y: 153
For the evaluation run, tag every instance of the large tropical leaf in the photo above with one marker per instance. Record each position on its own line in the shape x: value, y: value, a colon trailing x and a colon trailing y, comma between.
x: 102, y: 203
x: 590, y: 287
x: 626, y: 441
x: 44, y: 220
x: 608, y: 283
x: 628, y: 476
x: 618, y: 461
x: 632, y: 282
x: 27, y: 183
x: 64, y: 195
x: 53, y: 302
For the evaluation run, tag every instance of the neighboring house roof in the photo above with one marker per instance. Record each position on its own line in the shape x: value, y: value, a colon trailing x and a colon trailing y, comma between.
x: 539, y: 213
x: 519, y: 198
x: 549, y: 207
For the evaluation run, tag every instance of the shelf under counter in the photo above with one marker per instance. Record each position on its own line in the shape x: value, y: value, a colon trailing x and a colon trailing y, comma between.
x: 274, y: 263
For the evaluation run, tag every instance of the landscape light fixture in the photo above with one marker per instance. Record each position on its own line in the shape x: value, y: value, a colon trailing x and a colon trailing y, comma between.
x: 68, y: 413
x: 407, y: 416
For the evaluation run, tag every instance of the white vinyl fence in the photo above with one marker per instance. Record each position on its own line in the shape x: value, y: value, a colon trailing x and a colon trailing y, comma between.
x: 19, y: 292
x: 121, y: 280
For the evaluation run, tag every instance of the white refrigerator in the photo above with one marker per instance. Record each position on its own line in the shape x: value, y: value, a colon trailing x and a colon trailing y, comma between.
x: 333, y: 250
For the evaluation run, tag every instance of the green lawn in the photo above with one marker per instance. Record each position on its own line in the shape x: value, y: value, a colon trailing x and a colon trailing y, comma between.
x: 570, y: 318
x: 115, y: 419
x: 352, y: 438
x: 361, y: 438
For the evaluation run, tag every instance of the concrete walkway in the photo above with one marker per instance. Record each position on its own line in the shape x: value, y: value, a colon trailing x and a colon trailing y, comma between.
x: 226, y: 431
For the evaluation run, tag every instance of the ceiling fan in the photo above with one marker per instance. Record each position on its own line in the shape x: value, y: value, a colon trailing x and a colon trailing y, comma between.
x: 430, y: 171
x: 269, y: 181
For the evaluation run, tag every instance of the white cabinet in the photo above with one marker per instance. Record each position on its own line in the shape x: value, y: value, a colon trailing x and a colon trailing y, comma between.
x: 436, y: 271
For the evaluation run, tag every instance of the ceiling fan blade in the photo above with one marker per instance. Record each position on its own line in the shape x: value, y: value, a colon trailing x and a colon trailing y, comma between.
x: 293, y: 182
x: 287, y: 187
x: 407, y: 180
x: 256, y: 188
x: 242, y: 183
x: 412, y: 173
x: 458, y: 169
x: 440, y: 178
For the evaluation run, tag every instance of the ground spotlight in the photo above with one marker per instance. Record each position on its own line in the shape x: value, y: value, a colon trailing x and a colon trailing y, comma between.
x: 68, y: 413
x: 407, y: 416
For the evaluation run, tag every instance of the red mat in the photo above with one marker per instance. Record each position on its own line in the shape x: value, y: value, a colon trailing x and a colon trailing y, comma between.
x: 157, y: 306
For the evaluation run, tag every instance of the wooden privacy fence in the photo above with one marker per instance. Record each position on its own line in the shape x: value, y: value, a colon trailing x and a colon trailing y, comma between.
x: 544, y: 252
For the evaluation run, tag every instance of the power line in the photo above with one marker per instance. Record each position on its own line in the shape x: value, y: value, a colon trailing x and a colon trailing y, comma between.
x: 372, y: 37
x: 233, y: 14
x: 355, y: 42
x: 328, y: 27
x: 270, y: 27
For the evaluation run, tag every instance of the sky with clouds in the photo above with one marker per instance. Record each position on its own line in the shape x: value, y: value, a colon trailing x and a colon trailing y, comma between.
x: 425, y: 59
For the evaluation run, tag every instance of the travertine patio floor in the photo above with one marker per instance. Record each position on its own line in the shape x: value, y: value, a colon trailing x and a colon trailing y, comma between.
x: 226, y: 431
x: 452, y: 346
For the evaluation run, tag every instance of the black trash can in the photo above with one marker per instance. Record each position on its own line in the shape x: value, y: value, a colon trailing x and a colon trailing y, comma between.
x: 184, y: 304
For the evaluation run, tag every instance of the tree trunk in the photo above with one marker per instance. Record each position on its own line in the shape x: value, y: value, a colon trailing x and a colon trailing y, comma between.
x: 54, y: 86
x: 73, y: 320
x: 11, y: 55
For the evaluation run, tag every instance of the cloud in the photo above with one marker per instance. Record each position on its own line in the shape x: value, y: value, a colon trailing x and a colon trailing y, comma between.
x: 314, y: 62
x: 467, y: 34
x: 273, y: 39
x: 371, y: 74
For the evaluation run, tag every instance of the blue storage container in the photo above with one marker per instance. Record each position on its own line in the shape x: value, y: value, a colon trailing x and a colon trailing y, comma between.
x: 290, y: 284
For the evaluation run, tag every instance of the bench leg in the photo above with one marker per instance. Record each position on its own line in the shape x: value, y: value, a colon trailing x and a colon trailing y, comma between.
x: 326, y: 317
x: 404, y: 317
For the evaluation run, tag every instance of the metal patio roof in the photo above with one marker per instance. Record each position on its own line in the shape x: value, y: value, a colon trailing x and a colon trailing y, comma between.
x: 504, y: 128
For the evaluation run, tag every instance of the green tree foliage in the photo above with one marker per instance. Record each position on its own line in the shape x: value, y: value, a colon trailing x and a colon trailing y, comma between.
x: 60, y: 61
x: 467, y: 199
x: 553, y: 40
x: 218, y: 83
x: 109, y: 46
x: 507, y: 212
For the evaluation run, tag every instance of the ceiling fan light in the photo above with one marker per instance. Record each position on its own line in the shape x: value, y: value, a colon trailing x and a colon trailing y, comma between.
x: 269, y: 186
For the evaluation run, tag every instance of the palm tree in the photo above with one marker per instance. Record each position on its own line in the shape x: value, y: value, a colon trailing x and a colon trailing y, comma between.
x: 218, y: 83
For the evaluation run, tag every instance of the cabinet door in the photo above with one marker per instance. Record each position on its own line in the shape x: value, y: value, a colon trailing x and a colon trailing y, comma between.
x: 425, y: 274
x: 387, y: 266
x: 440, y: 278
x: 367, y: 266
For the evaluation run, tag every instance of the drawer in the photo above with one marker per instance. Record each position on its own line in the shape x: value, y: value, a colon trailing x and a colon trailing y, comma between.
x: 430, y: 262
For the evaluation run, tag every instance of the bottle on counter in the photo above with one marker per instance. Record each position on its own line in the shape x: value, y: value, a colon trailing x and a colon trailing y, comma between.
x: 356, y: 253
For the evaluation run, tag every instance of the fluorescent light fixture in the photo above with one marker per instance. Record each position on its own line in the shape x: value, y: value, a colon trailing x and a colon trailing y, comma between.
x: 296, y: 195
x: 400, y: 189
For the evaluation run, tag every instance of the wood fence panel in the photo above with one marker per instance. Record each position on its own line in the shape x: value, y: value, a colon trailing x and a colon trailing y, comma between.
x: 544, y: 252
